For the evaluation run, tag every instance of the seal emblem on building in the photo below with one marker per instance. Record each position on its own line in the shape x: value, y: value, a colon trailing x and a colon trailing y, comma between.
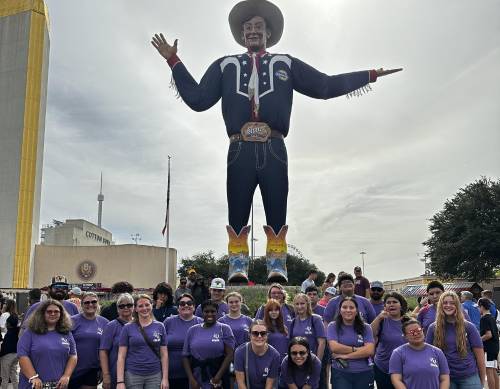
x: 86, y: 270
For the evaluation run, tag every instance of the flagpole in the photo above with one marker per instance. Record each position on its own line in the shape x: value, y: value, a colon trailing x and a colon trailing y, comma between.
x: 167, y: 222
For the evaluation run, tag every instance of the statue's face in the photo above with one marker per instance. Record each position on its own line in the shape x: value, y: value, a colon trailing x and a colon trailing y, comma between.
x: 255, y: 34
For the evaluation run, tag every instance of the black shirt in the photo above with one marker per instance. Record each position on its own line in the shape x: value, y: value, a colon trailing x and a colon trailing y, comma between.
x: 9, y: 344
x: 110, y: 312
x: 488, y: 323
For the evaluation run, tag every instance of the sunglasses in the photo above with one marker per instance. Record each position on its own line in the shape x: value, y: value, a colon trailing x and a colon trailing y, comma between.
x: 298, y: 353
x: 184, y: 303
x: 60, y: 287
x: 88, y: 302
x: 123, y: 306
x: 414, y: 332
x: 377, y: 289
x: 262, y: 334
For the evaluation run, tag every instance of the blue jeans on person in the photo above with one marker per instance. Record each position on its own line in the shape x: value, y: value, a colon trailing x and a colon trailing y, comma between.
x: 382, y: 379
x: 471, y: 382
x: 257, y: 163
x: 348, y: 380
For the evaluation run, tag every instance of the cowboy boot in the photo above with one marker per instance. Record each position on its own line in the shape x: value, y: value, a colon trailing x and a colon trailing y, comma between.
x: 276, y: 252
x: 238, y: 255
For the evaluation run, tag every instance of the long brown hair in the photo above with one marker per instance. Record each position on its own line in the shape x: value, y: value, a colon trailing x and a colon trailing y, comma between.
x: 440, y: 331
x: 38, y: 325
x: 279, y: 325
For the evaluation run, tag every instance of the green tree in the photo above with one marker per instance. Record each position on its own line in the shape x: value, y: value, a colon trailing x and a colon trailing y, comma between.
x: 465, y: 239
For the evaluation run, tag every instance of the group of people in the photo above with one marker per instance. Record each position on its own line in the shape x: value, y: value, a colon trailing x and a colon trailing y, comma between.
x: 318, y: 338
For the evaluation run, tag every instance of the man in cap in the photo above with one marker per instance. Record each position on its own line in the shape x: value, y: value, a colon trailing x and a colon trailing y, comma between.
x: 58, y: 290
x: 376, y: 294
x: 256, y: 88
x: 361, y: 283
x: 74, y: 295
x: 217, y: 290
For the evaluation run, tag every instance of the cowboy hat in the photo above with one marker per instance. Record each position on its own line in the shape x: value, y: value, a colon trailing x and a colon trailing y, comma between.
x: 247, y: 9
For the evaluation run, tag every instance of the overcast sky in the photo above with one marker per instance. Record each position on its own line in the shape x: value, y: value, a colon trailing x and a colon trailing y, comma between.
x: 365, y: 174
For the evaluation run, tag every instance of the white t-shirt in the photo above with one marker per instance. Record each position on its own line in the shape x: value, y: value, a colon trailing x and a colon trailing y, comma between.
x: 306, y: 284
x: 3, y: 322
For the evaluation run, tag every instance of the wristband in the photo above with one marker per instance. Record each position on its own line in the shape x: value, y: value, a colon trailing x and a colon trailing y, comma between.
x: 120, y: 382
x: 32, y: 378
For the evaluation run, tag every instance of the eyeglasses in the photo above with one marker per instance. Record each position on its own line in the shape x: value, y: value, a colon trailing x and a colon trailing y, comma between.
x: 88, y: 302
x: 60, y: 287
x: 298, y: 353
x: 123, y: 306
x: 184, y: 303
x: 416, y: 331
x: 377, y: 289
x: 55, y: 312
x: 262, y: 334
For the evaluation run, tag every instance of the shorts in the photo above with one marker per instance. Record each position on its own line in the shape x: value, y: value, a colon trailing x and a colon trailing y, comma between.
x: 87, y: 378
x: 491, y: 360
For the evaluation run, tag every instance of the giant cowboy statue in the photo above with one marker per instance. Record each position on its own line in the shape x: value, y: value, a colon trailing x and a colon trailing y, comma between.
x: 256, y: 88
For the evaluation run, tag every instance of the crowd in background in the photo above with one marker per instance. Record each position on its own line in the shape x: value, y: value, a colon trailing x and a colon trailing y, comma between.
x: 347, y: 333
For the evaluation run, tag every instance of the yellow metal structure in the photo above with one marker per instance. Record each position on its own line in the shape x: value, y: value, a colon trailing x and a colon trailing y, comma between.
x: 32, y: 106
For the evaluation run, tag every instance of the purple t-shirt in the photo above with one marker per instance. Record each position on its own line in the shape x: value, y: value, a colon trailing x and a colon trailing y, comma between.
x: 141, y: 360
x: 365, y: 309
x: 260, y: 368
x: 420, y: 368
x: 378, y: 307
x: 279, y: 341
x: 205, y: 343
x: 176, y: 329
x: 459, y: 367
x: 301, y: 377
x: 287, y: 313
x: 48, y: 353
x: 311, y: 328
x: 427, y: 316
x: 390, y: 337
x: 239, y: 326
x: 71, y: 308
x: 223, y: 309
x: 110, y: 341
x: 87, y: 335
x: 348, y: 337
x: 319, y: 310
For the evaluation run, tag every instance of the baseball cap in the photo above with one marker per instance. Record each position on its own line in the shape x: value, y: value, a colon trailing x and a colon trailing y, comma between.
x: 218, y: 283
x: 357, y: 268
x: 331, y: 290
x: 76, y: 291
x: 59, y: 280
x: 377, y: 284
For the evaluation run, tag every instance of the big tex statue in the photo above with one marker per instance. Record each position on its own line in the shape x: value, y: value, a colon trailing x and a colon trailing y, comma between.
x: 256, y: 88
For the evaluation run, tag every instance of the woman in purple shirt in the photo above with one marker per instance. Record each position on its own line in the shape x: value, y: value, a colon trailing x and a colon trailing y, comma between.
x: 256, y: 363
x: 275, y: 323
x: 240, y: 324
x: 176, y: 328
x: 300, y: 369
x: 87, y: 330
x: 142, y: 356
x: 278, y: 293
x: 416, y: 364
x: 460, y: 342
x: 110, y: 340
x: 388, y: 335
x: 208, y: 350
x: 46, y: 350
x: 352, y: 346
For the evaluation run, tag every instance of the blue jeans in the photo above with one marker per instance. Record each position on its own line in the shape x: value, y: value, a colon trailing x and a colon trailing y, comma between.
x: 471, y: 382
x: 257, y: 163
x: 348, y: 380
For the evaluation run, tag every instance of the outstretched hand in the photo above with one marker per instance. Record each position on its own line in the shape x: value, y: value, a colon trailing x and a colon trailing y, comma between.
x: 381, y: 72
x: 160, y: 44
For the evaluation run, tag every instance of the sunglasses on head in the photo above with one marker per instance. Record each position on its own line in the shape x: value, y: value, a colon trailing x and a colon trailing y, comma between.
x: 123, y: 306
x: 184, y: 303
x: 262, y: 334
x: 88, y: 302
x: 298, y: 353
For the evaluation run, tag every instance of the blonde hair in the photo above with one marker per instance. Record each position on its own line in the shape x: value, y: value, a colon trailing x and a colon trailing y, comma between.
x: 280, y: 287
x: 459, y: 325
x: 306, y: 298
x: 91, y: 294
x: 234, y: 294
x: 136, y: 300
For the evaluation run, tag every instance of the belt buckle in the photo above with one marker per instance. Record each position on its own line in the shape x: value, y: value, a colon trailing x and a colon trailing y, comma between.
x: 255, y: 132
